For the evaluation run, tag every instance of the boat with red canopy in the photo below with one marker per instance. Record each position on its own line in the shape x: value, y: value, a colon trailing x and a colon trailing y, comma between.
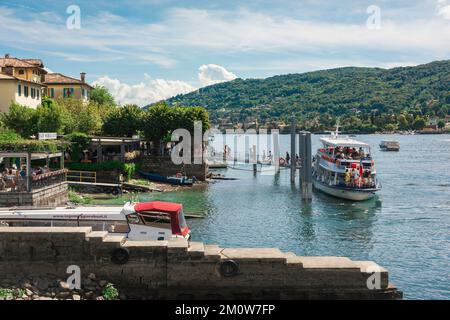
x: 155, y: 220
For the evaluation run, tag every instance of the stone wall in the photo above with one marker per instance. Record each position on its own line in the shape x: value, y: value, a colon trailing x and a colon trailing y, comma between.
x: 180, y: 269
x: 53, y: 195
x: 165, y: 166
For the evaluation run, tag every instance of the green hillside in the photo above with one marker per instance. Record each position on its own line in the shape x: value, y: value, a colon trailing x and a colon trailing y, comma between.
x: 364, y: 98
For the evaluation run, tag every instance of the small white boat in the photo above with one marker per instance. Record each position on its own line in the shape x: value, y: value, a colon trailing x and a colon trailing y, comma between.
x: 344, y: 168
x: 155, y: 220
x: 390, y: 145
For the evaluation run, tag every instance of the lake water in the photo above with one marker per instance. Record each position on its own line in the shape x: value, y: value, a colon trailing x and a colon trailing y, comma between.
x: 405, y: 229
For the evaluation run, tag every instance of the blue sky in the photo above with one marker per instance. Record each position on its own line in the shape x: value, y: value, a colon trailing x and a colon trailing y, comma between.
x: 144, y: 51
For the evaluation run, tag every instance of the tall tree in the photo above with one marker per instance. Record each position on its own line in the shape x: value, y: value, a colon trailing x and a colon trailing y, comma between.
x: 124, y: 121
x: 102, y: 96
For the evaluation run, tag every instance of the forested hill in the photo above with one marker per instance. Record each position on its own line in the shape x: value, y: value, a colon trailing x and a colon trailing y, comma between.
x: 423, y: 89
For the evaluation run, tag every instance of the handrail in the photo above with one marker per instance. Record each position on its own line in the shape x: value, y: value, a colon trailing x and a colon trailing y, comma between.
x: 82, y: 176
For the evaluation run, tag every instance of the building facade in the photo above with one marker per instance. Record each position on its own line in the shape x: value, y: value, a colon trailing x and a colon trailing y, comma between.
x: 61, y: 86
x: 21, y: 81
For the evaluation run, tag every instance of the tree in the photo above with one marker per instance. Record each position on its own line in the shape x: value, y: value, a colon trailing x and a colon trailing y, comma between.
x: 402, y: 122
x: 81, y: 116
x: 48, y: 117
x: 441, y: 124
x: 157, y: 122
x: 124, y: 121
x: 102, y: 96
x: 20, y: 119
x: 78, y: 143
x: 419, y: 123
x: 160, y: 121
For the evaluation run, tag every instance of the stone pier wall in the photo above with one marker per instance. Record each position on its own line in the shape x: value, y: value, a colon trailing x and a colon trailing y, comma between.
x: 165, y: 166
x: 53, y: 195
x: 180, y: 269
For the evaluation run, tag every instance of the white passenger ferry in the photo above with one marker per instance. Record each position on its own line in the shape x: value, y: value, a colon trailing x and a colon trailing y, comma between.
x: 344, y: 168
x: 155, y: 220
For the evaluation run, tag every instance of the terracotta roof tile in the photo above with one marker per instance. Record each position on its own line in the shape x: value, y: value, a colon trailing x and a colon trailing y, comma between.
x: 58, y: 78
x: 17, y: 63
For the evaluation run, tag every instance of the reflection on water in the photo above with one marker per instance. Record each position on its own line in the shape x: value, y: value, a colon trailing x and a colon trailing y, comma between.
x: 405, y: 228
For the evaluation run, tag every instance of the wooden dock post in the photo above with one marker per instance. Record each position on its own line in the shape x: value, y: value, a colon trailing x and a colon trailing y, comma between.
x: 254, y: 160
x: 276, y: 150
x: 293, y: 160
x: 306, y: 169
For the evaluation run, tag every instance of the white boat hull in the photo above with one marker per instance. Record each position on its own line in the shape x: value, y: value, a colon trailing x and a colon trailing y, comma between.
x: 354, y: 195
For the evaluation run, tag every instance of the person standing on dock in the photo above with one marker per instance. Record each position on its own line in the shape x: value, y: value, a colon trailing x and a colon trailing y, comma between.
x: 288, y: 157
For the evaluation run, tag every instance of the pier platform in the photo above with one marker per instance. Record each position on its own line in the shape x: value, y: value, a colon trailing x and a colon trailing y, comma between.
x: 179, y: 269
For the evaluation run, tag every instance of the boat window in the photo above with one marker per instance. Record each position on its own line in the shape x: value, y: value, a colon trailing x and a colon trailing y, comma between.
x: 133, y: 219
x: 155, y: 217
x: 182, y: 220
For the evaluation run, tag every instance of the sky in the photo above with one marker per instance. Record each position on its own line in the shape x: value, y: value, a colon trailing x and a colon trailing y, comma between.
x: 145, y: 51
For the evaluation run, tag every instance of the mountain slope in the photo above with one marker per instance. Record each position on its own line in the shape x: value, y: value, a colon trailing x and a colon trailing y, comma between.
x: 336, y: 92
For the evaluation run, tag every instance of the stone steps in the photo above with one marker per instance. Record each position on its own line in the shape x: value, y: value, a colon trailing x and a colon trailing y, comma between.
x: 212, y: 252
x: 196, y: 249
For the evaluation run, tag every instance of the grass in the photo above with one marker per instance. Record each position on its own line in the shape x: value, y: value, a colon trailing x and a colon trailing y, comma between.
x: 78, y: 199
x: 142, y: 182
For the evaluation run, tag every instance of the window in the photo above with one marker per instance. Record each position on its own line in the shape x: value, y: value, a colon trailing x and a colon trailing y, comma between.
x: 52, y: 92
x: 25, y: 91
x: 33, y: 93
x: 21, y: 72
x: 133, y: 219
x: 68, y: 92
x: 19, y: 90
x: 38, y: 93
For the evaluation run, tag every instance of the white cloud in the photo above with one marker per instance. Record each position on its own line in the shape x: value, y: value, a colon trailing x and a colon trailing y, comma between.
x: 209, y: 74
x: 144, y: 93
x: 153, y: 90
x: 184, y: 32
x: 443, y: 9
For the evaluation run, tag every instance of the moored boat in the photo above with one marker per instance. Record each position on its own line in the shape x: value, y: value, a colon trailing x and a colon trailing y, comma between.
x: 390, y: 145
x: 155, y: 220
x: 344, y: 168
x: 177, y: 179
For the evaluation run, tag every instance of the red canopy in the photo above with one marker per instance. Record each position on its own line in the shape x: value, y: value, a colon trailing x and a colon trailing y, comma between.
x: 167, y: 207
x: 174, y: 209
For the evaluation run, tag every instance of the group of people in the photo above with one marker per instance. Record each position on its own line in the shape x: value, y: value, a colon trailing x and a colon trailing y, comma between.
x: 353, y: 177
x: 347, y: 153
x: 13, y: 178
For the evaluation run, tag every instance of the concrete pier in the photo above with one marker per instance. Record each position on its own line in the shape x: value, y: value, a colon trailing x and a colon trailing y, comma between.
x: 190, y: 270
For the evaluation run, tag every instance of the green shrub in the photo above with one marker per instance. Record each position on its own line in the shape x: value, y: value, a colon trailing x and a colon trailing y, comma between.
x: 130, y: 170
x: 13, y: 142
x: 104, y: 166
x: 110, y: 292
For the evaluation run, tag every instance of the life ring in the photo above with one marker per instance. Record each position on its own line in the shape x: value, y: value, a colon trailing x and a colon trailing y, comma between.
x: 282, y: 162
x: 229, y: 268
x: 120, y: 256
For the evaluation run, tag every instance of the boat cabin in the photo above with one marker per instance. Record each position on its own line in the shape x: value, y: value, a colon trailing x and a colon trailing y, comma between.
x: 157, y: 220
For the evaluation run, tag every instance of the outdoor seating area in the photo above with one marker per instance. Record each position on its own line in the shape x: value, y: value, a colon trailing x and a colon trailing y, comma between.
x: 26, y: 172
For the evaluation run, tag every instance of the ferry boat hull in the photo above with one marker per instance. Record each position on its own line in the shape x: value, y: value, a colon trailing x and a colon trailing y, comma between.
x: 343, y: 193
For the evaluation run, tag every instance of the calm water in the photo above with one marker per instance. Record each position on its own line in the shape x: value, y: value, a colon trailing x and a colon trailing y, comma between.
x: 406, y: 229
